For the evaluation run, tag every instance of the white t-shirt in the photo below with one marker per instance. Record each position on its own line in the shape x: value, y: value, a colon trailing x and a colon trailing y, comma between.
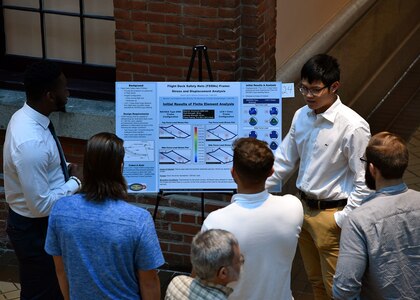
x: 267, y: 228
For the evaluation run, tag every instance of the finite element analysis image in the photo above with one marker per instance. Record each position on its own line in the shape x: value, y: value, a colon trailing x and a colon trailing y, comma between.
x: 174, y: 132
x: 221, y: 133
x: 174, y: 156
x: 219, y: 155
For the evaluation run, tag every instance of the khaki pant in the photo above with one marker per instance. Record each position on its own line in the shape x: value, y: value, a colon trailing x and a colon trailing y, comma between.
x: 319, y: 243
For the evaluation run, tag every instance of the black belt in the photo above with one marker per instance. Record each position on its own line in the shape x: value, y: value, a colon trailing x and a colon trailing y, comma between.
x: 321, y: 204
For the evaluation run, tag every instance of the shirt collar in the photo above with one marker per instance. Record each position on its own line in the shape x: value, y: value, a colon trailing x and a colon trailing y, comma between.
x: 42, y: 120
x: 393, y: 189
x: 225, y: 289
x: 388, y: 191
x: 250, y: 200
x: 331, y: 112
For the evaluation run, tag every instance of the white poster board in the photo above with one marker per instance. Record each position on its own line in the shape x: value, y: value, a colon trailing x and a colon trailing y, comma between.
x: 178, y: 135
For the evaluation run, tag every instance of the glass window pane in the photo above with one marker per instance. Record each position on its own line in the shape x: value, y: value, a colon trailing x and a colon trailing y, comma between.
x: 63, y: 37
x: 22, y: 3
x: 99, y: 7
x: 22, y: 28
x: 100, y: 42
x: 62, y: 5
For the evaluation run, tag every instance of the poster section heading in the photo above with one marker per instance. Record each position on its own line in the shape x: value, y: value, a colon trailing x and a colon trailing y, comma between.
x: 179, y: 135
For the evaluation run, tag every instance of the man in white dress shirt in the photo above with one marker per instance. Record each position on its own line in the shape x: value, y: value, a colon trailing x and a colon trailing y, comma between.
x: 36, y: 175
x: 326, y: 140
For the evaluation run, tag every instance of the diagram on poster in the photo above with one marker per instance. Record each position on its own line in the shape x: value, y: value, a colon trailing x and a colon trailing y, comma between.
x: 178, y: 135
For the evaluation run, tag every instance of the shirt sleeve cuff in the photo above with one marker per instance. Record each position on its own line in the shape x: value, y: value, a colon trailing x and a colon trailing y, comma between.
x: 72, y: 186
x: 339, y: 217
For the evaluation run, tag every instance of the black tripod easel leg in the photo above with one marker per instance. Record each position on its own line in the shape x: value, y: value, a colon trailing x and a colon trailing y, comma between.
x: 206, y: 56
x: 191, y: 63
x: 202, y: 208
x: 158, y: 197
x: 200, y: 49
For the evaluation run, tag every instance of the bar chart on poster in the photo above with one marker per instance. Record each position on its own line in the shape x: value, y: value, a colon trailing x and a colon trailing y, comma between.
x: 178, y: 135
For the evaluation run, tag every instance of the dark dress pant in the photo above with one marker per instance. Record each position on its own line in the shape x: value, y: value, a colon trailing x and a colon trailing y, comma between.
x: 38, y: 279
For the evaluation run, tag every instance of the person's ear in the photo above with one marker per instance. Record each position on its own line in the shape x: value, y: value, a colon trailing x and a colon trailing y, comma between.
x: 223, y: 274
x: 373, y: 170
x: 334, y: 87
x: 233, y: 173
x: 271, y: 172
x: 49, y: 95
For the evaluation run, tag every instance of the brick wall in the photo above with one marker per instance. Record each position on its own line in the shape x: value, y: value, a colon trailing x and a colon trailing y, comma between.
x: 154, y: 39
x: 177, y: 221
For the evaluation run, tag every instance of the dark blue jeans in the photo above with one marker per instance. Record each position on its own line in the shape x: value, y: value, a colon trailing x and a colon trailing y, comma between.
x: 38, y: 279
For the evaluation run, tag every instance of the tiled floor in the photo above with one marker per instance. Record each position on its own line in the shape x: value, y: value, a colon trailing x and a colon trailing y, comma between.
x: 9, y: 290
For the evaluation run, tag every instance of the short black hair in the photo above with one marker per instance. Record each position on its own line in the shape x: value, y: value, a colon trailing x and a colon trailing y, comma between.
x: 40, y: 77
x: 321, y: 67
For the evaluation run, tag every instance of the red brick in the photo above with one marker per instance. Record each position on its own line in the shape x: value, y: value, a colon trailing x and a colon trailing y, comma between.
x: 140, y: 15
x: 181, y: 20
x: 164, y: 50
x: 164, y: 246
x: 131, y: 46
x: 123, y: 34
x: 226, y: 34
x: 123, y: 4
x: 148, y: 77
x: 201, y: 32
x: 170, y: 8
x: 139, y: 26
x: 180, y: 248
x: 139, y: 5
x: 123, y: 56
x: 182, y: 41
x: 132, y: 67
x: 122, y: 14
x: 165, y: 29
x: 169, y: 236
x: 184, y: 228
x: 177, y: 61
x: 124, y: 25
x: 232, y: 13
x: 150, y: 59
x: 200, y: 11
x: 148, y: 38
x: 188, y: 219
x: 167, y: 71
x: 176, y: 259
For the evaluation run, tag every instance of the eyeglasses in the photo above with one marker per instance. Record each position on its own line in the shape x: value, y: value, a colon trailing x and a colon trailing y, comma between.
x: 364, y: 159
x: 314, y: 92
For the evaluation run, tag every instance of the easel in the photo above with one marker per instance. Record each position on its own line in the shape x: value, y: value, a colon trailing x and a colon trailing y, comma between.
x: 159, y: 197
x: 200, y: 49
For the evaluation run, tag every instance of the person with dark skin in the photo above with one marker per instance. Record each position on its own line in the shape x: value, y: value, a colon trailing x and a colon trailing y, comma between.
x: 36, y: 175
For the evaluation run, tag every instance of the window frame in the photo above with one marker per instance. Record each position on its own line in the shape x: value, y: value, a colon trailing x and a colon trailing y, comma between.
x: 84, y: 80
